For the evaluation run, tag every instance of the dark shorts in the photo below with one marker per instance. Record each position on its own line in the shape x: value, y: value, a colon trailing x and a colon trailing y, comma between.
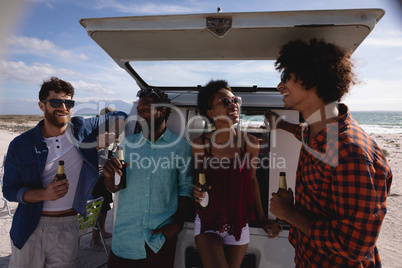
x: 101, y: 190
x: 163, y: 259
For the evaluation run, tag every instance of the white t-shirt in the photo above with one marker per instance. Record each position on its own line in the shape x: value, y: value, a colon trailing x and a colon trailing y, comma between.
x: 60, y: 148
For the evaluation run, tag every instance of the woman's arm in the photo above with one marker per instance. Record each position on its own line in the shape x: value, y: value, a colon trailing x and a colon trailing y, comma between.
x: 197, y: 148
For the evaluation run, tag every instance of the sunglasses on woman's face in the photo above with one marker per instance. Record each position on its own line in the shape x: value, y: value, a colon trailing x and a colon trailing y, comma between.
x: 229, y: 101
x: 285, y: 77
x: 56, y: 103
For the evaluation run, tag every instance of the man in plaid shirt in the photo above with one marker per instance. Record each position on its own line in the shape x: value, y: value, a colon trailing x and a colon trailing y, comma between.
x: 343, y: 178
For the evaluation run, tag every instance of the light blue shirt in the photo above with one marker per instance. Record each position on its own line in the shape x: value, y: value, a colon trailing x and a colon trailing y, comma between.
x: 157, y: 175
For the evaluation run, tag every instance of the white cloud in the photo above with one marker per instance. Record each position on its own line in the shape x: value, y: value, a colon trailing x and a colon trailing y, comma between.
x: 33, y: 74
x: 376, y: 94
x: 91, y: 88
x: 44, y: 48
x: 386, y: 39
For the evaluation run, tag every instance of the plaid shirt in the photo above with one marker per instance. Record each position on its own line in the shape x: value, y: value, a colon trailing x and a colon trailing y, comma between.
x: 343, y: 180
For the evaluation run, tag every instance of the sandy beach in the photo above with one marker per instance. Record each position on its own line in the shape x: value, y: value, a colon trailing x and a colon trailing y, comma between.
x: 389, y: 242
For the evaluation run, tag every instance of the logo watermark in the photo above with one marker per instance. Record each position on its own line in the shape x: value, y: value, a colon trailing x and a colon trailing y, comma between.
x: 189, y: 128
x: 173, y: 161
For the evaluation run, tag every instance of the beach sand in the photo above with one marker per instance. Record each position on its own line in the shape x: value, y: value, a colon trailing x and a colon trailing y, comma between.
x: 389, y: 242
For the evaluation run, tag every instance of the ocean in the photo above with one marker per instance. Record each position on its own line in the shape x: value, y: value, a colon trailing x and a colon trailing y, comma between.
x: 380, y: 121
x: 372, y: 122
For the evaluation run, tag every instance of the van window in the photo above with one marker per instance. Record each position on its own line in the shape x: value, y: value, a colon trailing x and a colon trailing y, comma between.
x: 192, y: 73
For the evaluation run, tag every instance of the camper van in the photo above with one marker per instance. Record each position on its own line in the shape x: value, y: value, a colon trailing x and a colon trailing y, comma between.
x: 251, y: 36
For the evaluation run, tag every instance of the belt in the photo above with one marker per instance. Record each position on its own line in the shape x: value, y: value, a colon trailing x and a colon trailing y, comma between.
x: 65, y: 214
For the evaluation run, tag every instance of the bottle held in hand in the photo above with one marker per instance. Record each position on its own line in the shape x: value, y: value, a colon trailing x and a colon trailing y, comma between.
x: 60, y: 172
x: 120, y: 181
x: 202, y: 183
x: 282, y: 191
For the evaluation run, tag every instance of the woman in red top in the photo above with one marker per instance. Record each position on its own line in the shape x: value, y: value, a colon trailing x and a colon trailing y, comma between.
x: 229, y: 158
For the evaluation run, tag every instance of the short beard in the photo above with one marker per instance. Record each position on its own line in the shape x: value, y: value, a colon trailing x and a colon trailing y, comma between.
x: 51, y: 118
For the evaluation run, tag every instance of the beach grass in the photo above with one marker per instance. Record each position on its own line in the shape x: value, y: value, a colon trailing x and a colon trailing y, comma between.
x: 20, y: 119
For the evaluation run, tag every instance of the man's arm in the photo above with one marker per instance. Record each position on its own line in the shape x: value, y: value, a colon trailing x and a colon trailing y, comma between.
x: 185, y: 168
x: 15, y: 190
x: 13, y: 186
x: 359, y: 196
x: 54, y: 191
x: 360, y: 205
x: 276, y: 122
x: 111, y: 167
x: 171, y: 231
x: 107, y: 138
x: 283, y: 208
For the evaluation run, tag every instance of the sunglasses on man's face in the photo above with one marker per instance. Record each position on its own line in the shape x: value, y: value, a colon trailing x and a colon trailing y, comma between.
x: 147, y: 92
x: 285, y: 77
x: 229, y: 101
x: 56, y: 103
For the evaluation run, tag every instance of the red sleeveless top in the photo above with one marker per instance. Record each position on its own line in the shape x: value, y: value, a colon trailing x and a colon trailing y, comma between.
x: 231, y: 200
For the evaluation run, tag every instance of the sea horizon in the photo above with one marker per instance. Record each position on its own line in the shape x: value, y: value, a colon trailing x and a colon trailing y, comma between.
x: 371, y: 121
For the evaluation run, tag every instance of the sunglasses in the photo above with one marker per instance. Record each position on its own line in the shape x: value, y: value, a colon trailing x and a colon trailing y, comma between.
x: 56, y: 103
x: 147, y: 92
x: 229, y: 101
x: 285, y: 77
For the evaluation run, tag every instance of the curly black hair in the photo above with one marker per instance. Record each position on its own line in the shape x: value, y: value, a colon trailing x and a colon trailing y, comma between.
x: 207, y: 94
x: 318, y: 64
x: 157, y: 97
x: 57, y: 85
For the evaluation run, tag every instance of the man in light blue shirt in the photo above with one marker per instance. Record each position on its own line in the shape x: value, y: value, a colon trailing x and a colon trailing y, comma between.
x: 158, y: 193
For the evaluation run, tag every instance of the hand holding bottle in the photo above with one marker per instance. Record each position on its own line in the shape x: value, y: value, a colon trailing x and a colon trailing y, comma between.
x: 57, y: 188
x: 203, y: 186
x: 282, y: 207
x: 198, y: 193
x: 112, y: 167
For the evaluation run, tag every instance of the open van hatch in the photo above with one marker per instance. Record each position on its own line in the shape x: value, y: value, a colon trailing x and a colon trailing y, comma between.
x: 224, y: 36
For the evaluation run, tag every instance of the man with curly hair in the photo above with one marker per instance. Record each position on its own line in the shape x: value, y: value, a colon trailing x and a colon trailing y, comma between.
x: 343, y: 178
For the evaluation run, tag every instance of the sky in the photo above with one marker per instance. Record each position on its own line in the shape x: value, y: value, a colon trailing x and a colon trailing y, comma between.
x: 43, y: 38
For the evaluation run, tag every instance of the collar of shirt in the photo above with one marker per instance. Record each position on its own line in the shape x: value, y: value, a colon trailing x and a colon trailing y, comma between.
x: 165, y: 137
x: 331, y: 132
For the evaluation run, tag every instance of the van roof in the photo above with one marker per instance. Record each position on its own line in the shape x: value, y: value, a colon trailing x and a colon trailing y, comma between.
x: 224, y: 36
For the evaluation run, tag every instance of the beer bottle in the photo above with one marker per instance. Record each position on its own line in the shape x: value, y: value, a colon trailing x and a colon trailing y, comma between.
x: 60, y: 172
x: 282, y: 191
x: 202, y: 183
x: 120, y: 181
